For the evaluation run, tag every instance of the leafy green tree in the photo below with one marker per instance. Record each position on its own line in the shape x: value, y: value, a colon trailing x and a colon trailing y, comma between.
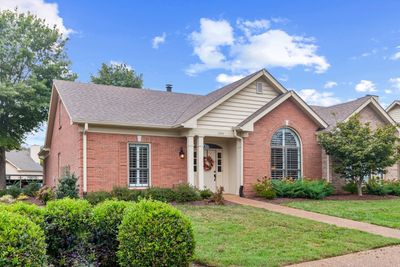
x: 32, y: 54
x: 118, y: 75
x: 358, y: 151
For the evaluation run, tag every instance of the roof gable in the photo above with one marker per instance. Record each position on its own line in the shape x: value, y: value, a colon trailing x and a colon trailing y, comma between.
x: 248, y: 123
x: 342, y: 112
x: 393, y: 105
x: 215, y: 98
x: 235, y: 109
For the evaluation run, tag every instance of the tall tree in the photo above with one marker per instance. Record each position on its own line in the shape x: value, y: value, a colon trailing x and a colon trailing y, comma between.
x: 32, y: 54
x: 358, y: 151
x: 118, y: 75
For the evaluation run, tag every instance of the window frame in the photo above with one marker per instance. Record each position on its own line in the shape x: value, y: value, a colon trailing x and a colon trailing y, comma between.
x: 139, y: 186
x: 284, y: 150
x: 262, y: 89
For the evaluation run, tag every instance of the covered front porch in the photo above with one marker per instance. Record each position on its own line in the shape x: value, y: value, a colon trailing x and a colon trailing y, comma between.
x: 214, y: 162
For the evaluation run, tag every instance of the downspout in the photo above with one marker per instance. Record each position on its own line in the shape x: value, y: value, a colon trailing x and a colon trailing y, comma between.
x: 241, y: 162
x: 85, y: 158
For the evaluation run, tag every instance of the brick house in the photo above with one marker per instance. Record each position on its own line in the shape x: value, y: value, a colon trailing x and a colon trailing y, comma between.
x: 112, y: 136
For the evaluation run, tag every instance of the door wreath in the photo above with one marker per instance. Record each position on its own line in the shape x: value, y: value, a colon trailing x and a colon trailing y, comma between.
x: 208, y: 163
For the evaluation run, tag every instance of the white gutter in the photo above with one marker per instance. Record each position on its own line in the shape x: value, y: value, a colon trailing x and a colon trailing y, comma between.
x: 241, y: 159
x: 84, y: 133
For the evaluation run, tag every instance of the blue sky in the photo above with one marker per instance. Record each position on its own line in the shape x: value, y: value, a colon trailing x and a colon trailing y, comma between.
x: 329, y: 52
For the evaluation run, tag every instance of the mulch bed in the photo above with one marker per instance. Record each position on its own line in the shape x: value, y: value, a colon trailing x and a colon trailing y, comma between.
x: 333, y: 197
x: 34, y: 201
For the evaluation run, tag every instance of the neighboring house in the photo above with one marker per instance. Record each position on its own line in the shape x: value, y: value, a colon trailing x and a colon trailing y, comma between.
x: 394, y: 110
x: 370, y: 111
x: 23, y: 166
x: 113, y: 136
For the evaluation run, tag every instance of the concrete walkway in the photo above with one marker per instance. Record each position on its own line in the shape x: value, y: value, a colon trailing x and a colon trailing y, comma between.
x: 382, y: 257
x: 366, y: 227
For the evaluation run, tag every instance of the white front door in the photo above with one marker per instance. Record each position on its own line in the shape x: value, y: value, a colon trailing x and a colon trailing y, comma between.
x: 212, y: 168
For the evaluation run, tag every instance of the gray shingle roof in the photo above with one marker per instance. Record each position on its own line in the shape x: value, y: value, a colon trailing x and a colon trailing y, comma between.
x: 337, y: 113
x: 103, y: 104
x: 23, y: 161
x: 95, y: 103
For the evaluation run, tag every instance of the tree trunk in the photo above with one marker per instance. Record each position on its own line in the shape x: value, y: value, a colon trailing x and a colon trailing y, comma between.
x: 2, y: 168
x: 359, y: 188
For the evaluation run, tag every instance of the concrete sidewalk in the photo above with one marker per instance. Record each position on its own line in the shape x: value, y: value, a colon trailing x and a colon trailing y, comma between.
x: 382, y: 257
x: 365, y: 227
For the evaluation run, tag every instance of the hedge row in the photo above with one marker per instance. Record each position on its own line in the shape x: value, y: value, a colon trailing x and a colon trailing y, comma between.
x: 302, y: 188
x: 146, y: 233
x: 180, y: 193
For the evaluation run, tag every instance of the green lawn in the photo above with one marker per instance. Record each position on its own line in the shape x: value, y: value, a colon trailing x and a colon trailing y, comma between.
x: 246, y: 236
x: 380, y: 212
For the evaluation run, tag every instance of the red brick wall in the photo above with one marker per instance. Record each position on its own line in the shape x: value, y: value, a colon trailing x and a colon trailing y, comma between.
x: 67, y: 141
x: 107, y: 160
x: 257, y: 160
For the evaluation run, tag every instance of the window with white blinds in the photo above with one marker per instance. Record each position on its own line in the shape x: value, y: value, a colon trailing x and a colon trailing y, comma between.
x: 139, y: 169
x: 285, y: 154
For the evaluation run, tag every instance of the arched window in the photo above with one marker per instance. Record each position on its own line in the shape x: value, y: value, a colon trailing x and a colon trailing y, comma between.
x: 285, y: 154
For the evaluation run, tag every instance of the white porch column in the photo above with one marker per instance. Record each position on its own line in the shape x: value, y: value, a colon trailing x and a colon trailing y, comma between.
x: 200, y: 161
x: 190, y: 152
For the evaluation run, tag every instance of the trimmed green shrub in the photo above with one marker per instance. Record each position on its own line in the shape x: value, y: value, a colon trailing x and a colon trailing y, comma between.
x: 107, y: 217
x: 22, y: 242
x: 393, y: 187
x: 67, y: 185
x: 161, y: 194
x: 154, y: 233
x: 46, y: 194
x: 264, y: 188
x: 31, y: 189
x: 126, y: 194
x: 31, y: 211
x: 376, y: 187
x: 206, y: 194
x: 186, y: 193
x: 350, y: 187
x: 68, y: 225
x: 302, y: 188
x: 97, y: 197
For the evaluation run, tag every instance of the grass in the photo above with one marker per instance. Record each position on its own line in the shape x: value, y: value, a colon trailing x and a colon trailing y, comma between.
x: 246, y: 236
x: 379, y: 212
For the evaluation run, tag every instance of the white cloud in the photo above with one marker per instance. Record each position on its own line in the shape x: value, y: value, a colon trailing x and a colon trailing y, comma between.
x: 313, y: 97
x: 395, y: 56
x: 159, y: 40
x: 258, y: 47
x: 251, y: 26
x: 207, y: 44
x: 47, y: 11
x: 276, y: 48
x: 225, y: 78
x: 118, y: 63
x: 365, y: 86
x: 330, y: 84
x: 395, y: 82
x: 388, y: 91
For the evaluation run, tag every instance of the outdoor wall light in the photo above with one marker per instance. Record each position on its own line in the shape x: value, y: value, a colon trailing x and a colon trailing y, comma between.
x: 181, y: 153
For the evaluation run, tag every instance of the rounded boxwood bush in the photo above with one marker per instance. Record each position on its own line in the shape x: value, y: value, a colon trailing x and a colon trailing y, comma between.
x: 107, y: 217
x: 31, y: 211
x: 22, y: 242
x: 68, y: 224
x: 154, y: 233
